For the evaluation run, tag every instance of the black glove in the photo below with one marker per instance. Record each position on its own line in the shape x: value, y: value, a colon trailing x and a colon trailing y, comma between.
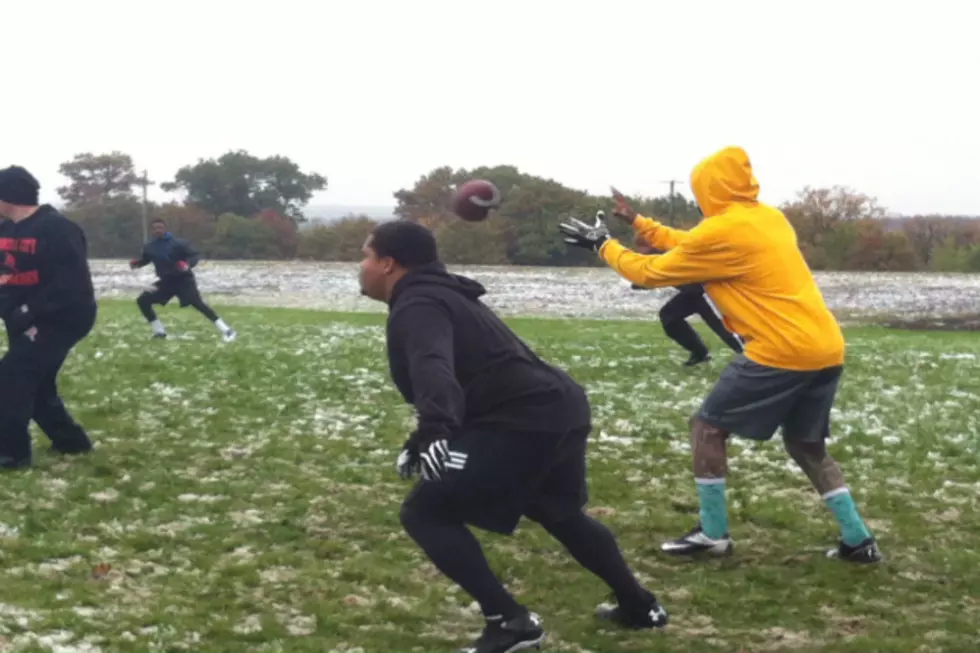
x: 582, y: 235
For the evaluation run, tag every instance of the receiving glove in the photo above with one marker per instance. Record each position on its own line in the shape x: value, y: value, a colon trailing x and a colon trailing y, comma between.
x: 582, y: 235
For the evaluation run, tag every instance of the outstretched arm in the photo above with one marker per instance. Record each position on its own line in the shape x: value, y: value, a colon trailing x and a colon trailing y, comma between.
x: 701, y: 257
x: 657, y: 235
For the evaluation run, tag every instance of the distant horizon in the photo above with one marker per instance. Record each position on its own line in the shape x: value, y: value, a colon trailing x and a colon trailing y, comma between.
x: 329, y: 211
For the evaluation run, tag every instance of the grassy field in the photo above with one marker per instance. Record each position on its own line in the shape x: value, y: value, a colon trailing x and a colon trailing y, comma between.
x: 244, y: 498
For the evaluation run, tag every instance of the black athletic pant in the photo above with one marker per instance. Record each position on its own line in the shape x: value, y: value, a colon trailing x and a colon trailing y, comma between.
x: 688, y: 302
x: 29, y: 390
x: 435, y: 516
x: 456, y: 552
x: 183, y: 287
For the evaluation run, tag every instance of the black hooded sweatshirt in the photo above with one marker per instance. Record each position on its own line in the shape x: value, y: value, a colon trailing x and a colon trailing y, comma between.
x: 464, y: 370
x: 44, y: 271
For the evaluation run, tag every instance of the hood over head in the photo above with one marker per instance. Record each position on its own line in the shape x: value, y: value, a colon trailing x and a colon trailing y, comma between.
x: 723, y: 179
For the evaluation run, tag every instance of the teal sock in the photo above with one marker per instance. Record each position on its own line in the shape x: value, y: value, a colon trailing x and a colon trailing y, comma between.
x: 714, y: 514
x: 852, y: 528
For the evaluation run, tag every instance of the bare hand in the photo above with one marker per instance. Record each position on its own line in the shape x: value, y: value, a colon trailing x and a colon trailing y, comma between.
x: 622, y: 209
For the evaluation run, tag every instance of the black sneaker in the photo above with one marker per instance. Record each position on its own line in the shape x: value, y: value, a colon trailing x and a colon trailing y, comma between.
x: 864, y: 553
x: 697, y: 359
x: 72, y: 449
x: 651, y: 615
x: 159, y: 335
x: 518, y: 634
x: 696, y: 543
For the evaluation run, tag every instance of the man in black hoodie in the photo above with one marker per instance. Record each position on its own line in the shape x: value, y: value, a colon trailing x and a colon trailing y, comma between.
x: 173, y: 260
x: 501, y: 434
x: 47, y: 303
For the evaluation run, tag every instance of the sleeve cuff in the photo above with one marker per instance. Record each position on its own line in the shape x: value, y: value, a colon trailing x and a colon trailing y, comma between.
x: 609, y: 250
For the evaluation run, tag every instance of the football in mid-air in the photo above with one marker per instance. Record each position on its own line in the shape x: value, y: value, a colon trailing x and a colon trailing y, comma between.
x: 474, y: 200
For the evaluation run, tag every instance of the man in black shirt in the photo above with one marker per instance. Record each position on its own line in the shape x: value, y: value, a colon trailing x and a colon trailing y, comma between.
x: 173, y: 260
x: 47, y: 303
x: 690, y: 300
x: 501, y: 434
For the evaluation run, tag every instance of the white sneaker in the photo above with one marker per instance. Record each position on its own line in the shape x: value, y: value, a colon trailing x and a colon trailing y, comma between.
x: 697, y: 543
x: 229, y: 335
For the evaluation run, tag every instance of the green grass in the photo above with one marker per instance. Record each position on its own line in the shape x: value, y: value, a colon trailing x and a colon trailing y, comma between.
x: 245, y: 498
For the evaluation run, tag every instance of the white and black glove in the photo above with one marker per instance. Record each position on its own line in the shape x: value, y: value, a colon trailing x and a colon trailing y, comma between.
x: 434, y: 460
x: 408, y: 463
x: 438, y: 459
x: 580, y: 234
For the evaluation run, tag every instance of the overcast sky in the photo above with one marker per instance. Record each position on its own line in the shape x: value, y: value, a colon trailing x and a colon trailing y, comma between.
x: 880, y: 96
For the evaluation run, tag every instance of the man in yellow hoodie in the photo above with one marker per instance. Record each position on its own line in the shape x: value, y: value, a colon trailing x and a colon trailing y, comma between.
x: 746, y: 255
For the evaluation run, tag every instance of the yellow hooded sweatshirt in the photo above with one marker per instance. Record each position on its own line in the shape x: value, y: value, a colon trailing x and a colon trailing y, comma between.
x: 746, y: 255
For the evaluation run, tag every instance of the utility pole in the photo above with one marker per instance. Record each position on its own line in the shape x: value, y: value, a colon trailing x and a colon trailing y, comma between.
x: 670, y: 207
x: 145, y: 182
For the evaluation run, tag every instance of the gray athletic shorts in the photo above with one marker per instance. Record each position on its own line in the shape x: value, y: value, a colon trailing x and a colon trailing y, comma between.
x: 753, y: 400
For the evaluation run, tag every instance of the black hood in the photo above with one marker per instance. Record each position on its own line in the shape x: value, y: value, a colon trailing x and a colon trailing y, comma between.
x: 435, y: 274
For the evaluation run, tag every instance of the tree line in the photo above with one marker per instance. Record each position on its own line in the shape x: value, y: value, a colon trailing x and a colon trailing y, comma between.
x: 239, y: 206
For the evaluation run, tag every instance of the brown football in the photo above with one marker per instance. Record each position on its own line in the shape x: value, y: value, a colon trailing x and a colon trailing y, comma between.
x: 474, y: 200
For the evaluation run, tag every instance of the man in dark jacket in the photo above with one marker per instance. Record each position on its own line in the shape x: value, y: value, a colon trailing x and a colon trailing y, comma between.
x: 501, y: 434
x: 47, y: 303
x: 173, y: 259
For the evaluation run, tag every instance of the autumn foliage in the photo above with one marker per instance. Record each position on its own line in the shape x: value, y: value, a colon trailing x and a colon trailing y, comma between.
x: 241, y: 207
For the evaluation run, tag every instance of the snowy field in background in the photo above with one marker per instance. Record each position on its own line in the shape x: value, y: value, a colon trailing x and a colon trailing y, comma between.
x: 536, y: 291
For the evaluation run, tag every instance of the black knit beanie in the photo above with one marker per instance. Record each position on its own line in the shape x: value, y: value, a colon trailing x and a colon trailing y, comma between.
x: 18, y: 186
